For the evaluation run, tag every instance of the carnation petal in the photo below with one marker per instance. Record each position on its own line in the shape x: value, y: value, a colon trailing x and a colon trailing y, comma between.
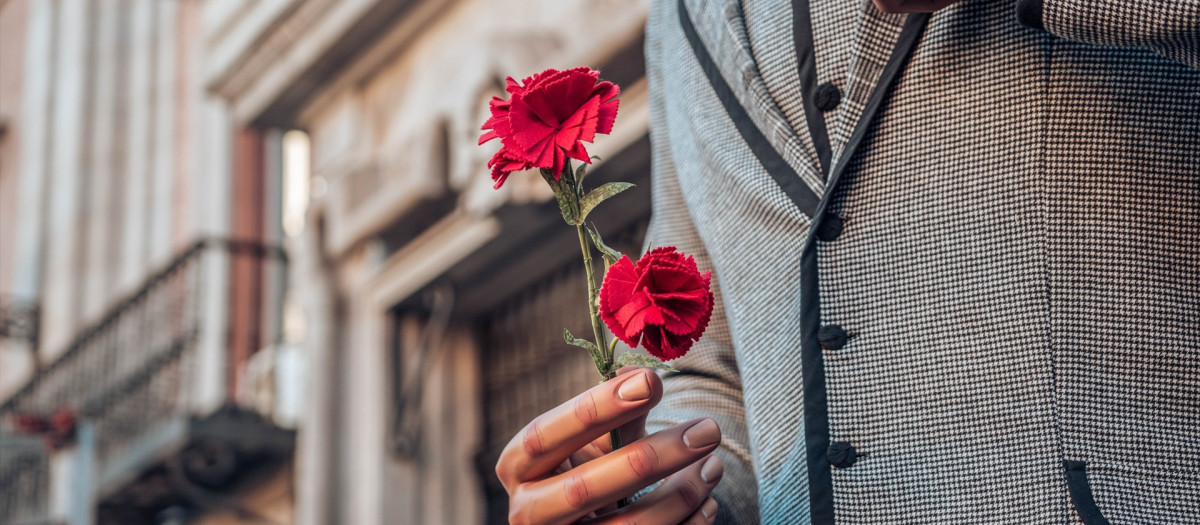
x: 670, y: 279
x: 502, y: 163
x: 578, y: 152
x: 664, y: 345
x: 587, y: 128
x: 605, y: 117
x: 488, y: 136
x: 511, y: 85
x: 634, y: 317
x: 615, y: 292
x: 606, y: 90
x: 572, y: 129
x: 617, y: 287
x: 539, y: 103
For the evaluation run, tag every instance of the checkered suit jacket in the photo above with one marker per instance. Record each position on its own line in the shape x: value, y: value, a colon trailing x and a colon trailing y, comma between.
x: 957, y: 256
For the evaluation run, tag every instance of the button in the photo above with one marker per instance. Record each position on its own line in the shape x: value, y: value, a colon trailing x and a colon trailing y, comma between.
x: 827, y: 96
x: 832, y: 337
x: 842, y: 455
x: 831, y: 228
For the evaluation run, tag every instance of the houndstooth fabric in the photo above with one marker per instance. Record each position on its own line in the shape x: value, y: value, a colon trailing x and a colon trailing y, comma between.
x: 1018, y: 271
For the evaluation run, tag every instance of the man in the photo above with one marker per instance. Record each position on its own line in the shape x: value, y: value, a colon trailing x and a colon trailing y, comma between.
x: 957, y: 260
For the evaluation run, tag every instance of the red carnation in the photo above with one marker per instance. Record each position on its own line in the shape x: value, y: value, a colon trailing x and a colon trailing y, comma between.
x: 547, y: 119
x: 663, y: 302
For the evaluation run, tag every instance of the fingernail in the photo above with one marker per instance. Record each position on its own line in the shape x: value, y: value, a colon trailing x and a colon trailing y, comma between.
x: 709, y: 509
x: 702, y: 434
x: 635, y: 388
x: 712, y: 469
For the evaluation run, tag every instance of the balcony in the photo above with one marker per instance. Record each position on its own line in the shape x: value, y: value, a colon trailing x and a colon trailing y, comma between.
x: 149, y: 393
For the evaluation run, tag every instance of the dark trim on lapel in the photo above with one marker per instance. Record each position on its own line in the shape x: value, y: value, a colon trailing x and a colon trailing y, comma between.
x: 807, y: 62
x: 1081, y: 494
x: 786, y: 177
x: 816, y: 402
x: 914, y: 25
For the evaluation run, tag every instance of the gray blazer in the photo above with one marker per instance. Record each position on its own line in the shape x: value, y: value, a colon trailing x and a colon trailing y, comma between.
x: 957, y: 257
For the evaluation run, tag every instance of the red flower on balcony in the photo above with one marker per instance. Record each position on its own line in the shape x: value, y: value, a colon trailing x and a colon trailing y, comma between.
x: 547, y: 119
x: 663, y: 302
x: 57, y: 429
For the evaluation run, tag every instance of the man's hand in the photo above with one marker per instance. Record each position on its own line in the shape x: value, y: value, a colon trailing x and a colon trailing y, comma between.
x: 560, y: 467
x: 911, y: 6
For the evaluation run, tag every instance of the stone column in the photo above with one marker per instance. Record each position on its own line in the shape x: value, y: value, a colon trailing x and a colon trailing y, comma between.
x: 166, y: 104
x: 139, y: 130
x: 60, y: 305
x: 211, y: 178
x: 99, y: 261
x: 316, y: 468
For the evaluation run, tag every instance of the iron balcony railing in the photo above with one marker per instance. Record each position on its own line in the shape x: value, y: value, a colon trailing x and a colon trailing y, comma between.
x: 138, y: 366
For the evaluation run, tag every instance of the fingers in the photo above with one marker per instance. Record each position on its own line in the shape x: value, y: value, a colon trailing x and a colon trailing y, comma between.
x: 912, y: 6
x: 552, y: 437
x: 707, y: 515
x: 683, y: 498
x: 572, y: 495
x: 630, y: 432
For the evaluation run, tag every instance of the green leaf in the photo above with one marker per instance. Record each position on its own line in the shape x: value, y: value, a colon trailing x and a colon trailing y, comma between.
x: 601, y: 194
x: 597, y: 354
x: 642, y: 360
x: 610, y: 255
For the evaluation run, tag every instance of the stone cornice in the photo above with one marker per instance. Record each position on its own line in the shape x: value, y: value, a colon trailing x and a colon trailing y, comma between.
x: 280, y: 52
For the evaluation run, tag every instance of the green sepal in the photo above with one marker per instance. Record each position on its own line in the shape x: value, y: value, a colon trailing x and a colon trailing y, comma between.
x: 598, y: 195
x: 565, y: 194
x: 641, y: 360
x: 597, y: 355
x: 610, y: 255
x: 582, y: 170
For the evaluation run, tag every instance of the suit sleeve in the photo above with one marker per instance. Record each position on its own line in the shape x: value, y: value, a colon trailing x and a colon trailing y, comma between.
x: 708, y: 383
x: 1168, y: 27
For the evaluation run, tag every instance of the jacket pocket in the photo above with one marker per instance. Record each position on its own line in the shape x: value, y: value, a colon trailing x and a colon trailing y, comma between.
x: 1081, y: 494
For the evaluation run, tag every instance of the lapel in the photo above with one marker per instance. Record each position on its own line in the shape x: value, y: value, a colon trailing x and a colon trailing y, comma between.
x: 868, y: 59
x: 716, y: 32
x: 798, y: 162
x: 882, y: 46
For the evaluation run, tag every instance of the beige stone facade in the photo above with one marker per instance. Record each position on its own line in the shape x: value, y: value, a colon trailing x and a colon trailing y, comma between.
x: 425, y: 306
x: 412, y: 266
x: 137, y: 273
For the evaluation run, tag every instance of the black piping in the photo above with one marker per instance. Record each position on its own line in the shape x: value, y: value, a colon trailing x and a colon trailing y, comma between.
x: 913, y: 26
x: 786, y: 177
x: 1081, y: 494
x: 816, y: 406
x: 806, y: 59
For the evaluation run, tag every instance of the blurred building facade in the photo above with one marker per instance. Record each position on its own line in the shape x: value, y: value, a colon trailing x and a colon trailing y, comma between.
x: 142, y: 271
x: 202, y: 199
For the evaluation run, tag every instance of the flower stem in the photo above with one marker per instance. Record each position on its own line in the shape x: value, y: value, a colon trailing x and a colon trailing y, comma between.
x: 614, y: 439
x: 614, y: 435
x: 593, y: 309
